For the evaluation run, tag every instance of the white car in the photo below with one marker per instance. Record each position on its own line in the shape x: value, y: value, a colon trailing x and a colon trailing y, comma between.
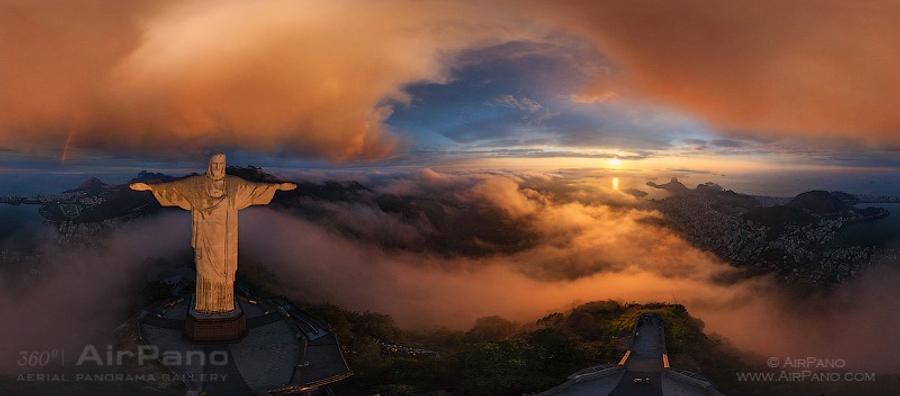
x: 641, y: 380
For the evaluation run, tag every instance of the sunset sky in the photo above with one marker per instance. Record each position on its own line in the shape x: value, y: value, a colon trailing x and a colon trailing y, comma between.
x: 463, y: 159
x: 808, y: 86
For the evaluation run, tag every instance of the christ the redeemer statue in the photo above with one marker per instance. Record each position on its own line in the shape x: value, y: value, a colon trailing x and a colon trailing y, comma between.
x: 214, y: 200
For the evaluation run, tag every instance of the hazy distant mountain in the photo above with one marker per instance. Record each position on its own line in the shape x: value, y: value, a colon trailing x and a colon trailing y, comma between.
x: 778, y: 218
x: 673, y: 186
x: 252, y: 173
x: 95, y: 201
x: 154, y: 177
x: 635, y: 192
x: 821, y: 202
x: 98, y: 203
x: 847, y: 198
x: 436, y: 223
x: 92, y: 184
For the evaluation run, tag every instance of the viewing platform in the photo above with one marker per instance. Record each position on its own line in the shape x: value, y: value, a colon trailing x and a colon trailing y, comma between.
x: 284, y: 351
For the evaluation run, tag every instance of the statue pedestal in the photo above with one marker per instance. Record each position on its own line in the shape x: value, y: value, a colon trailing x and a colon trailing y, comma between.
x: 285, y: 350
x: 215, y: 328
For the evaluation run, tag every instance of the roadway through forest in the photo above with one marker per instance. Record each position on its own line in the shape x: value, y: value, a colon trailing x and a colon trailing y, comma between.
x: 644, y: 365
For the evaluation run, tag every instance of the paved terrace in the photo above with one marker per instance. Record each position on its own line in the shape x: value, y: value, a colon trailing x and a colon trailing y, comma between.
x: 285, y: 351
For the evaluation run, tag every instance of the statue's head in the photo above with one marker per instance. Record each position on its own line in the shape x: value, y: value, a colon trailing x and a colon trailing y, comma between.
x: 216, y: 168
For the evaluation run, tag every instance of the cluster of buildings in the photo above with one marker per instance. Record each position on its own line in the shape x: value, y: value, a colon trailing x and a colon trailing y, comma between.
x: 388, y: 348
x: 800, y: 253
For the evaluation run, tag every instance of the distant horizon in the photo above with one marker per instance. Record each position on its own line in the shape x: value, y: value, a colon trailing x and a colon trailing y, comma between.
x: 785, y: 184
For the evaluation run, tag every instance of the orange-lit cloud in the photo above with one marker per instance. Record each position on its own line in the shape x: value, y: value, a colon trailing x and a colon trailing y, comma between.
x: 590, y: 243
x: 272, y: 76
x: 317, y: 78
x: 607, y: 257
x: 823, y: 69
x: 596, y: 247
x: 605, y: 246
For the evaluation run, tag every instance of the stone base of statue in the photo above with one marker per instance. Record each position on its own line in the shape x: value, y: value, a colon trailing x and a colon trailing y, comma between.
x: 215, y: 328
x: 284, y: 350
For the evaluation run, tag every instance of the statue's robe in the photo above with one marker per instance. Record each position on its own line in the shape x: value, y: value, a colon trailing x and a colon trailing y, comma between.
x: 214, y: 230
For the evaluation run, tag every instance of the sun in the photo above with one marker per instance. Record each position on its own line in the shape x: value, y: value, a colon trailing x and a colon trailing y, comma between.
x: 614, y: 162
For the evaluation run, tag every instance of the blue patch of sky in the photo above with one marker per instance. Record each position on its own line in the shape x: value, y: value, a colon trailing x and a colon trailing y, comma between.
x: 519, y: 94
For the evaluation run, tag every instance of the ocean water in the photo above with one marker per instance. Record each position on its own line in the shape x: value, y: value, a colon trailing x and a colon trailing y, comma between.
x: 789, y: 184
x: 28, y: 184
x: 18, y: 222
x: 881, y: 232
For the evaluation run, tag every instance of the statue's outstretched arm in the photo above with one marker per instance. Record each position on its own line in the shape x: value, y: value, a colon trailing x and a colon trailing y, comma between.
x: 286, y: 186
x: 252, y: 193
x: 140, y: 187
x: 173, y: 193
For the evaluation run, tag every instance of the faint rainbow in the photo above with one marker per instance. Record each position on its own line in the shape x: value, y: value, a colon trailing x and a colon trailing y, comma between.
x: 65, y: 150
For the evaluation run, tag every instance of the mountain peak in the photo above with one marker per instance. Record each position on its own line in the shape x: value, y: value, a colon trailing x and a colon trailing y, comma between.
x: 151, y: 177
x: 709, y: 186
x: 673, y: 186
x: 818, y: 201
x: 91, y: 184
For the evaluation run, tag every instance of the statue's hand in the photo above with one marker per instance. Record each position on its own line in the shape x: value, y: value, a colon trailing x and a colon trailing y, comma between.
x: 140, y: 187
x: 287, y: 186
